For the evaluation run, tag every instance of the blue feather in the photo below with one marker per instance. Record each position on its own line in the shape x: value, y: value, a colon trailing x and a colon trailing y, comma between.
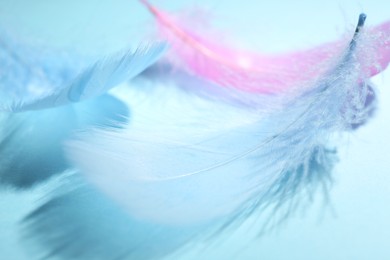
x: 76, y: 218
x: 42, y: 134
x: 30, y: 81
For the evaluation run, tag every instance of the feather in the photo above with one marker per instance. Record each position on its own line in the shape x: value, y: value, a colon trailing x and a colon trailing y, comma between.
x: 31, y: 142
x: 204, y: 56
x: 138, y: 189
x: 201, y: 166
x: 40, y: 81
x: 75, y: 209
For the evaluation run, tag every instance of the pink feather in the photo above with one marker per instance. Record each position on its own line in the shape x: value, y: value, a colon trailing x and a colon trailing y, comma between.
x: 263, y: 74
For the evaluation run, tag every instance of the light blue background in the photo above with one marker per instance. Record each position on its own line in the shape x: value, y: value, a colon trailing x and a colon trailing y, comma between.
x: 355, y: 226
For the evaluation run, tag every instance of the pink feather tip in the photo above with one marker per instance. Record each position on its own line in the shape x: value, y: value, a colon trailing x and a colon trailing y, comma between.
x: 264, y: 74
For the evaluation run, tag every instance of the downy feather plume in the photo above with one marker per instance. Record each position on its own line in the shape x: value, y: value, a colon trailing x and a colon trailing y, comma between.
x: 32, y: 78
x: 187, y: 167
x: 206, y: 57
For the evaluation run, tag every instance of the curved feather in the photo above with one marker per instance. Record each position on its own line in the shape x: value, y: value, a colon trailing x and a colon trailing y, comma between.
x: 256, y: 73
x: 31, y: 82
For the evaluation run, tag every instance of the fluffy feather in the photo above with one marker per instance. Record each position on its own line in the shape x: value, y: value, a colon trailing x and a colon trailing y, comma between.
x: 204, y: 56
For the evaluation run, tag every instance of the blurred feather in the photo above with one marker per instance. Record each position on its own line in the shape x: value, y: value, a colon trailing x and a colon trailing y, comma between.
x: 34, y: 79
x: 31, y: 142
x: 78, y: 222
x: 204, y: 55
